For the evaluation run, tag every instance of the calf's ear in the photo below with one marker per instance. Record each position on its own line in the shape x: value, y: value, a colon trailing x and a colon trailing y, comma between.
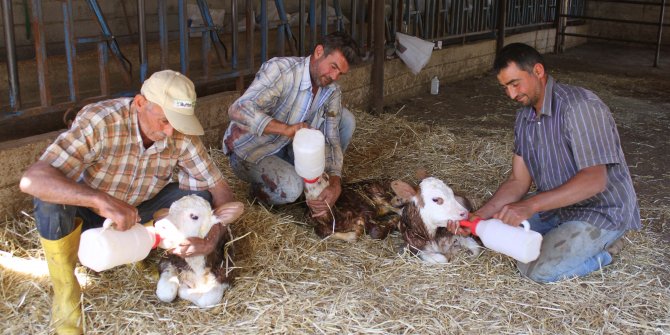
x: 403, y: 190
x: 229, y: 212
x: 422, y: 174
x: 465, y: 202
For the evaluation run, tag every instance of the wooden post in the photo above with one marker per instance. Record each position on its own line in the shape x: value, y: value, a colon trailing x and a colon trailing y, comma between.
x: 560, y: 25
x: 378, y: 65
x: 660, y: 34
x: 502, y: 20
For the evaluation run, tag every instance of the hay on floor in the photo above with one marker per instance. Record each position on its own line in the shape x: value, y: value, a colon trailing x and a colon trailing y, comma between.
x: 289, y: 281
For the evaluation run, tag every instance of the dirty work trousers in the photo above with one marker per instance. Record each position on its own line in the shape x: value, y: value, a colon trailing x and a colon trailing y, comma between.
x: 274, y: 180
x: 55, y: 221
x: 569, y: 249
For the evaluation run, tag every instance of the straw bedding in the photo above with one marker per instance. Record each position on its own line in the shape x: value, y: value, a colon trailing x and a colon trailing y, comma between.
x: 290, y: 282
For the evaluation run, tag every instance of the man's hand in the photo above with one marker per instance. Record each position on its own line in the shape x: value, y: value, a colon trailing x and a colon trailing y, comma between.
x: 193, y: 246
x: 327, y: 198
x: 455, y: 228
x: 196, y: 246
x: 280, y: 128
x: 292, y: 129
x: 49, y: 184
x: 512, y: 214
x: 122, y: 214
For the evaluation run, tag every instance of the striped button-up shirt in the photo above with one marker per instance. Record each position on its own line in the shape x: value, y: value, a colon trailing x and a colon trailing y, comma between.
x: 104, y: 150
x: 282, y: 90
x: 576, y: 130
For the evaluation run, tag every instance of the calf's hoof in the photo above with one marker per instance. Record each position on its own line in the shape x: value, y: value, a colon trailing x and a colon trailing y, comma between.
x: 351, y: 236
x: 616, y: 246
x: 167, y: 288
x: 433, y: 257
x: 203, y: 299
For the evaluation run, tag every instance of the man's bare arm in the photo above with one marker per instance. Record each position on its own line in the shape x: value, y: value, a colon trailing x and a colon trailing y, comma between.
x: 583, y: 185
x: 511, y: 190
x: 280, y: 128
x: 221, y: 194
x: 49, y: 184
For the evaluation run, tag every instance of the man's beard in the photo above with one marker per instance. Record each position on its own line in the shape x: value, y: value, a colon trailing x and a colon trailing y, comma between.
x: 528, y: 101
x: 326, y: 81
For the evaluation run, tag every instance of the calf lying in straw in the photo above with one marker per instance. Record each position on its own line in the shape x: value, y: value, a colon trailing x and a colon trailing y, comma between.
x: 199, y: 279
x: 364, y: 207
x: 425, y: 215
x: 379, y: 206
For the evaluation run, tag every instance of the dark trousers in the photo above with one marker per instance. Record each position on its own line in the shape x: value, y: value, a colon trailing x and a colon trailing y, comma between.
x: 55, y: 221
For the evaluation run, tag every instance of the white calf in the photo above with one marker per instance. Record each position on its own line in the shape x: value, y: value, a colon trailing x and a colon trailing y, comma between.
x: 424, y: 220
x: 199, y: 279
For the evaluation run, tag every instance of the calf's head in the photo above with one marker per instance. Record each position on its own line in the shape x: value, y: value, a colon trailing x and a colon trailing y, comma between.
x: 435, y: 200
x: 190, y: 216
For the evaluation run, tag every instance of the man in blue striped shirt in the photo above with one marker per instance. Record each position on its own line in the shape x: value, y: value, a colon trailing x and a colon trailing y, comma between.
x: 290, y: 93
x: 567, y: 144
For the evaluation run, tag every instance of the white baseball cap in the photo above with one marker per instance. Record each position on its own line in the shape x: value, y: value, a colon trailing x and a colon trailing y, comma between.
x: 175, y: 93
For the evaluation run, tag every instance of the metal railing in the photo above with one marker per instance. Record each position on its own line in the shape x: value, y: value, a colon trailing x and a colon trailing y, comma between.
x: 577, y: 15
x: 458, y: 20
x: 239, y: 48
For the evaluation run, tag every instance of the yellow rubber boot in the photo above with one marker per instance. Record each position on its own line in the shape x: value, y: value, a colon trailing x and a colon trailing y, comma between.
x: 61, y: 258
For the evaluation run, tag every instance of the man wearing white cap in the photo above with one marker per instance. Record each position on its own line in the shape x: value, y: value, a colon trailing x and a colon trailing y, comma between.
x: 117, y: 161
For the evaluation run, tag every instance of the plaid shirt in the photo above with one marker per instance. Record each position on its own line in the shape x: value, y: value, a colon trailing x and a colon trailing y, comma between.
x: 104, y: 150
x: 282, y: 91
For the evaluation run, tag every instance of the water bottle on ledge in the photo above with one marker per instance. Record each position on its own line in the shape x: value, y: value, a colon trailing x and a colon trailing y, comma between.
x: 435, y: 86
x: 520, y: 243
x: 103, y: 248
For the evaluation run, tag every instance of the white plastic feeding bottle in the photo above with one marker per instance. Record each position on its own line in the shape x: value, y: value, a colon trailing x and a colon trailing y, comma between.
x: 310, y: 160
x: 104, y: 248
x: 520, y: 243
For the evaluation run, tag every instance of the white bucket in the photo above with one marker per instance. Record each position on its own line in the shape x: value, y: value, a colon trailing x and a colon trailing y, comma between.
x: 309, y: 153
x: 414, y: 51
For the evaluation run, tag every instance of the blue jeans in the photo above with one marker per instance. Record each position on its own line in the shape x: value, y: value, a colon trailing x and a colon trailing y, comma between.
x: 569, y: 249
x: 274, y: 180
x: 55, y: 221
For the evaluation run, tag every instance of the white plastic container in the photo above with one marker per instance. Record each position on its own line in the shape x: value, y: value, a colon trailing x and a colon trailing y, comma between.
x: 104, y: 248
x: 435, y: 86
x: 309, y: 147
x: 413, y: 51
x: 520, y: 243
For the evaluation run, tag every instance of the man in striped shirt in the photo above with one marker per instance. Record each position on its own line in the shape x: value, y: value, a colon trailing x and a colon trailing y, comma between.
x: 290, y: 93
x: 119, y: 161
x: 567, y: 144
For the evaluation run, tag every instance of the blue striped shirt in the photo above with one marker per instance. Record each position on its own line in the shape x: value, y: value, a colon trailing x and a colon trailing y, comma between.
x: 282, y: 90
x: 576, y: 130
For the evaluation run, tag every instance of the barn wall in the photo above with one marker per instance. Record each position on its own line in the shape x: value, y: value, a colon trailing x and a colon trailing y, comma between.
x: 120, y: 16
x: 626, y: 11
x: 449, y: 64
